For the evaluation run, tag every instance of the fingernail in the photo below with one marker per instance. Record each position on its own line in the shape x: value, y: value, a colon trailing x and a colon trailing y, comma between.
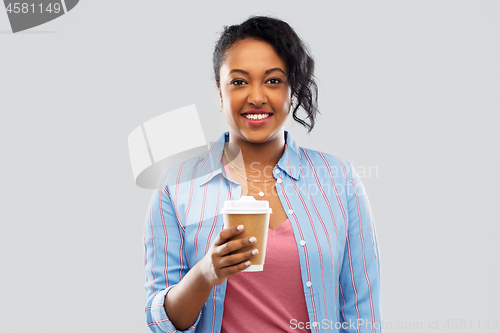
x: 240, y: 227
x: 255, y: 251
x: 252, y: 239
x: 248, y: 263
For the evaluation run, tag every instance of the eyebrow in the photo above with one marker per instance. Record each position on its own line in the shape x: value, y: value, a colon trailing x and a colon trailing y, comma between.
x: 267, y: 72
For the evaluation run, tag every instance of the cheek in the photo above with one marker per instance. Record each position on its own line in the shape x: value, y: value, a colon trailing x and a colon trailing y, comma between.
x: 236, y: 100
x: 282, y: 100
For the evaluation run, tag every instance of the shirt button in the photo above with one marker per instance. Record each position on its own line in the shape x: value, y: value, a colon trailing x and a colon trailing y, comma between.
x: 279, y: 180
x: 290, y: 211
x: 302, y: 242
x: 277, y: 171
x: 309, y: 284
x: 314, y: 324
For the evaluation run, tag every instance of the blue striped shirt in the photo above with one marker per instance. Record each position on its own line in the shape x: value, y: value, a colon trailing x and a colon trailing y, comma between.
x: 332, y: 223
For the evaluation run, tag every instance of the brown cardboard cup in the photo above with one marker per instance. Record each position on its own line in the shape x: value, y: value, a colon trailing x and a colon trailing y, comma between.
x: 254, y: 215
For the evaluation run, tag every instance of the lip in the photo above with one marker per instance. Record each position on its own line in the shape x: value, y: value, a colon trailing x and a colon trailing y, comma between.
x: 260, y: 122
x: 257, y: 112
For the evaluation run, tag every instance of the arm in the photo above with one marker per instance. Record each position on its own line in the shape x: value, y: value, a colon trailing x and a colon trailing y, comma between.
x: 360, y: 272
x: 163, y: 267
x: 167, y: 293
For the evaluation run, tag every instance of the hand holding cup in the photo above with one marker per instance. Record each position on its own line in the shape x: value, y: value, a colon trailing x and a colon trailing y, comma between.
x: 221, y: 261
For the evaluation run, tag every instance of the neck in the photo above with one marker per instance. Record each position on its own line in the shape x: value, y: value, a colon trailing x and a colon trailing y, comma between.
x: 255, y: 156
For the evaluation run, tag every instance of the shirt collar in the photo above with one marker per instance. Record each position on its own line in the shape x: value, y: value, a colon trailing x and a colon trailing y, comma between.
x: 289, y: 161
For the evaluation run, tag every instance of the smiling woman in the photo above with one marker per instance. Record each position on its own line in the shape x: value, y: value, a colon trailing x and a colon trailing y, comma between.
x: 322, y: 264
x: 255, y: 94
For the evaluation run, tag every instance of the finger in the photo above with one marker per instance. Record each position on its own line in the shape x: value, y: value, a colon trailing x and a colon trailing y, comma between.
x: 235, y: 259
x: 235, y: 245
x: 231, y: 270
x: 225, y: 234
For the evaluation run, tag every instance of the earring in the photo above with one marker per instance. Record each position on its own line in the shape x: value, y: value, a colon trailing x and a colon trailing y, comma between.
x: 293, y: 104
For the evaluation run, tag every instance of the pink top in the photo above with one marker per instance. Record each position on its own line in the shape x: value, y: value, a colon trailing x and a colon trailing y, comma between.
x: 268, y: 301
x: 271, y: 300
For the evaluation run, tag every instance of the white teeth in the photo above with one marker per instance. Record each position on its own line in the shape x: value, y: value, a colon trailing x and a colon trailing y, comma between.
x: 256, y: 116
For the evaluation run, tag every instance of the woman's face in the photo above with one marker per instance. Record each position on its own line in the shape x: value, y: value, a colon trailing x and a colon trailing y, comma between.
x: 253, y: 82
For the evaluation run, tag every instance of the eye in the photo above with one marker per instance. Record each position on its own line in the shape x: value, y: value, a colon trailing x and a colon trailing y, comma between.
x: 274, y: 81
x: 238, y: 82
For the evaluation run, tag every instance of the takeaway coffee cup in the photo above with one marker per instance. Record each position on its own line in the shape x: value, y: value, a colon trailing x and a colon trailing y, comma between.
x: 254, y: 215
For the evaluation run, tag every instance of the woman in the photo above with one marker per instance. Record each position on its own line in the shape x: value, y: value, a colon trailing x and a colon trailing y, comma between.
x: 322, y: 267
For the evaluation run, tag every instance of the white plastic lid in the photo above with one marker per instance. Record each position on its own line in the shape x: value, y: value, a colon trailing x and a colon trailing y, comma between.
x: 246, y: 205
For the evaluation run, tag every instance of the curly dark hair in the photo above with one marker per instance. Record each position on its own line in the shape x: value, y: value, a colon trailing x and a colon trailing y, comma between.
x: 289, y: 47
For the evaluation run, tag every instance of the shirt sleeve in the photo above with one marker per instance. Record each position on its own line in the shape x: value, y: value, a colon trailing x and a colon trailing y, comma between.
x: 360, y: 272
x: 164, y: 260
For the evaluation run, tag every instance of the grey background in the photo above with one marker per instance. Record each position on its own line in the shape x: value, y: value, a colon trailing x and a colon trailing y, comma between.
x: 410, y: 88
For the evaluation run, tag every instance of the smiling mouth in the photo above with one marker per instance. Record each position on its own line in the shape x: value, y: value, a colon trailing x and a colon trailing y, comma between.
x: 252, y: 116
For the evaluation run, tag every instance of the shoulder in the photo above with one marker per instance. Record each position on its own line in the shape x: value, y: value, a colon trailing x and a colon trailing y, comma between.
x: 187, y: 170
x: 314, y: 158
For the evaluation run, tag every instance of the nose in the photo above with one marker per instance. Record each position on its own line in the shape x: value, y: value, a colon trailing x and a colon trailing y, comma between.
x: 257, y: 96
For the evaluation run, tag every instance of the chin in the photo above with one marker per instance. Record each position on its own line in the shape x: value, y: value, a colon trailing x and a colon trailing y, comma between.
x: 261, y: 137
